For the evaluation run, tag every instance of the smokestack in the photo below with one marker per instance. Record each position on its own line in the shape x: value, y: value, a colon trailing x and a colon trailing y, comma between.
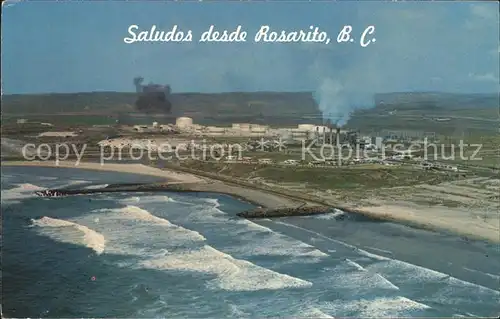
x: 338, y: 136
x: 324, y: 135
x: 138, y: 84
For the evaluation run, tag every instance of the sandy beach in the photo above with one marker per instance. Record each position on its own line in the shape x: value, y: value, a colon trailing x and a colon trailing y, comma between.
x: 169, y: 175
x: 197, y: 183
x: 461, y: 220
x: 456, y: 220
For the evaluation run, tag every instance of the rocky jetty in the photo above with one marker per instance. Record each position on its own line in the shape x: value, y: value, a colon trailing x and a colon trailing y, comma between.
x: 285, y: 212
x: 114, y: 188
x: 49, y: 193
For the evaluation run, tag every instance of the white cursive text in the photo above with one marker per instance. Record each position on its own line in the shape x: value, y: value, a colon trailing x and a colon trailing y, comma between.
x: 153, y: 35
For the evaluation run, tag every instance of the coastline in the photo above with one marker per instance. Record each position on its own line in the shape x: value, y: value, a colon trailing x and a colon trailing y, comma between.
x: 452, y: 221
x: 195, y: 183
x: 169, y: 175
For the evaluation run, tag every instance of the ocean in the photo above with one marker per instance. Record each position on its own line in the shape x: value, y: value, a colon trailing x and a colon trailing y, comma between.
x: 171, y: 255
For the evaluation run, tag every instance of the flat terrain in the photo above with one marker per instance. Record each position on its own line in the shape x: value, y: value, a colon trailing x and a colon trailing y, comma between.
x: 465, y: 204
x: 441, y: 113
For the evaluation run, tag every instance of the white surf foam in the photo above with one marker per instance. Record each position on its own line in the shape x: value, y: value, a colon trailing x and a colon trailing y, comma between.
x: 213, y: 201
x: 259, y: 240
x: 400, y: 272
x: 71, y: 183
x: 90, y: 238
x: 139, y: 215
x: 355, y: 265
x: 379, y: 307
x: 404, y: 272
x: 134, y: 231
x: 77, y: 182
x: 351, y: 247
x: 496, y: 277
x: 134, y: 199
x: 330, y: 216
x: 232, y: 274
x: 150, y: 199
x: 352, y: 277
x: 21, y: 191
x: 97, y: 186
x: 311, y: 313
x: 235, y: 312
x: 378, y: 249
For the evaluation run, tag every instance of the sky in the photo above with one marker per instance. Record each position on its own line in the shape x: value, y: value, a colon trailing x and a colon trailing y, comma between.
x: 421, y: 46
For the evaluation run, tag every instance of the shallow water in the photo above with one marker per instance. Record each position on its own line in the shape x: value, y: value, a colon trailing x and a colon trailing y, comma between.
x: 187, y: 255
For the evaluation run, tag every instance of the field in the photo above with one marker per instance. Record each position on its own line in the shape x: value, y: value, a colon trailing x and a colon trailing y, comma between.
x: 342, y: 178
x: 464, y: 113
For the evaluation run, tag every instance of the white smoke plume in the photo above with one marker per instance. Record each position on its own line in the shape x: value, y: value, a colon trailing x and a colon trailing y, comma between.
x: 337, y: 102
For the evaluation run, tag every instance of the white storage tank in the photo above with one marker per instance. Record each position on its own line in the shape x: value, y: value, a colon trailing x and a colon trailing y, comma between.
x: 183, y: 122
x: 236, y: 126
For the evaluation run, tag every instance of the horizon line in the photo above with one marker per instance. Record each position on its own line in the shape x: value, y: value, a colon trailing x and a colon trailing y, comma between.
x: 247, y: 92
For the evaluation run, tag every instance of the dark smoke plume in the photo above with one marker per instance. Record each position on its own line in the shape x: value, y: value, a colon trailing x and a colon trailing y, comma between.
x: 152, y: 98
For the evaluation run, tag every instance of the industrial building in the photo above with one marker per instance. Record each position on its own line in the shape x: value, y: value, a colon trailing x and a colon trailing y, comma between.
x: 184, y: 122
x: 320, y: 133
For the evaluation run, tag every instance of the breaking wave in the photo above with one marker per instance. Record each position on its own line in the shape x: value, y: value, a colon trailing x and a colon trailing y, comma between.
x: 55, y: 229
x: 335, y: 215
x: 232, y: 274
x: 378, y: 307
x: 138, y: 215
x: 21, y: 191
x: 130, y: 231
x: 388, y: 273
x: 312, y: 313
x: 148, y: 199
x: 258, y: 239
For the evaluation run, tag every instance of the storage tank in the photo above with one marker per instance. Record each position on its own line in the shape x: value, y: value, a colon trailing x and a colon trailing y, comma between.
x: 306, y: 127
x: 236, y: 126
x: 155, y: 124
x: 183, y: 122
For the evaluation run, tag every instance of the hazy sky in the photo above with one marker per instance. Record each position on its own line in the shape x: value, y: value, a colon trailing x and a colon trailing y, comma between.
x: 78, y: 46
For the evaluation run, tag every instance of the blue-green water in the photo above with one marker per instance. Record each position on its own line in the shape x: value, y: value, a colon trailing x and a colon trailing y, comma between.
x: 185, y: 256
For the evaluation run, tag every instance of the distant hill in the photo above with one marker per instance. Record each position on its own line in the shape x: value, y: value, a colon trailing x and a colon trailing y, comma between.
x: 435, y: 101
x: 280, y: 108
x: 444, y: 113
x: 288, y: 106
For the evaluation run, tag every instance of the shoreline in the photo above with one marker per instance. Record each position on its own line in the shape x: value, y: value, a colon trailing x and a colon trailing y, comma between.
x: 195, y: 183
x: 274, y: 199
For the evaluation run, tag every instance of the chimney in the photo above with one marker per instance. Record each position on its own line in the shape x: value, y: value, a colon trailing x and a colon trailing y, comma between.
x: 337, y: 136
